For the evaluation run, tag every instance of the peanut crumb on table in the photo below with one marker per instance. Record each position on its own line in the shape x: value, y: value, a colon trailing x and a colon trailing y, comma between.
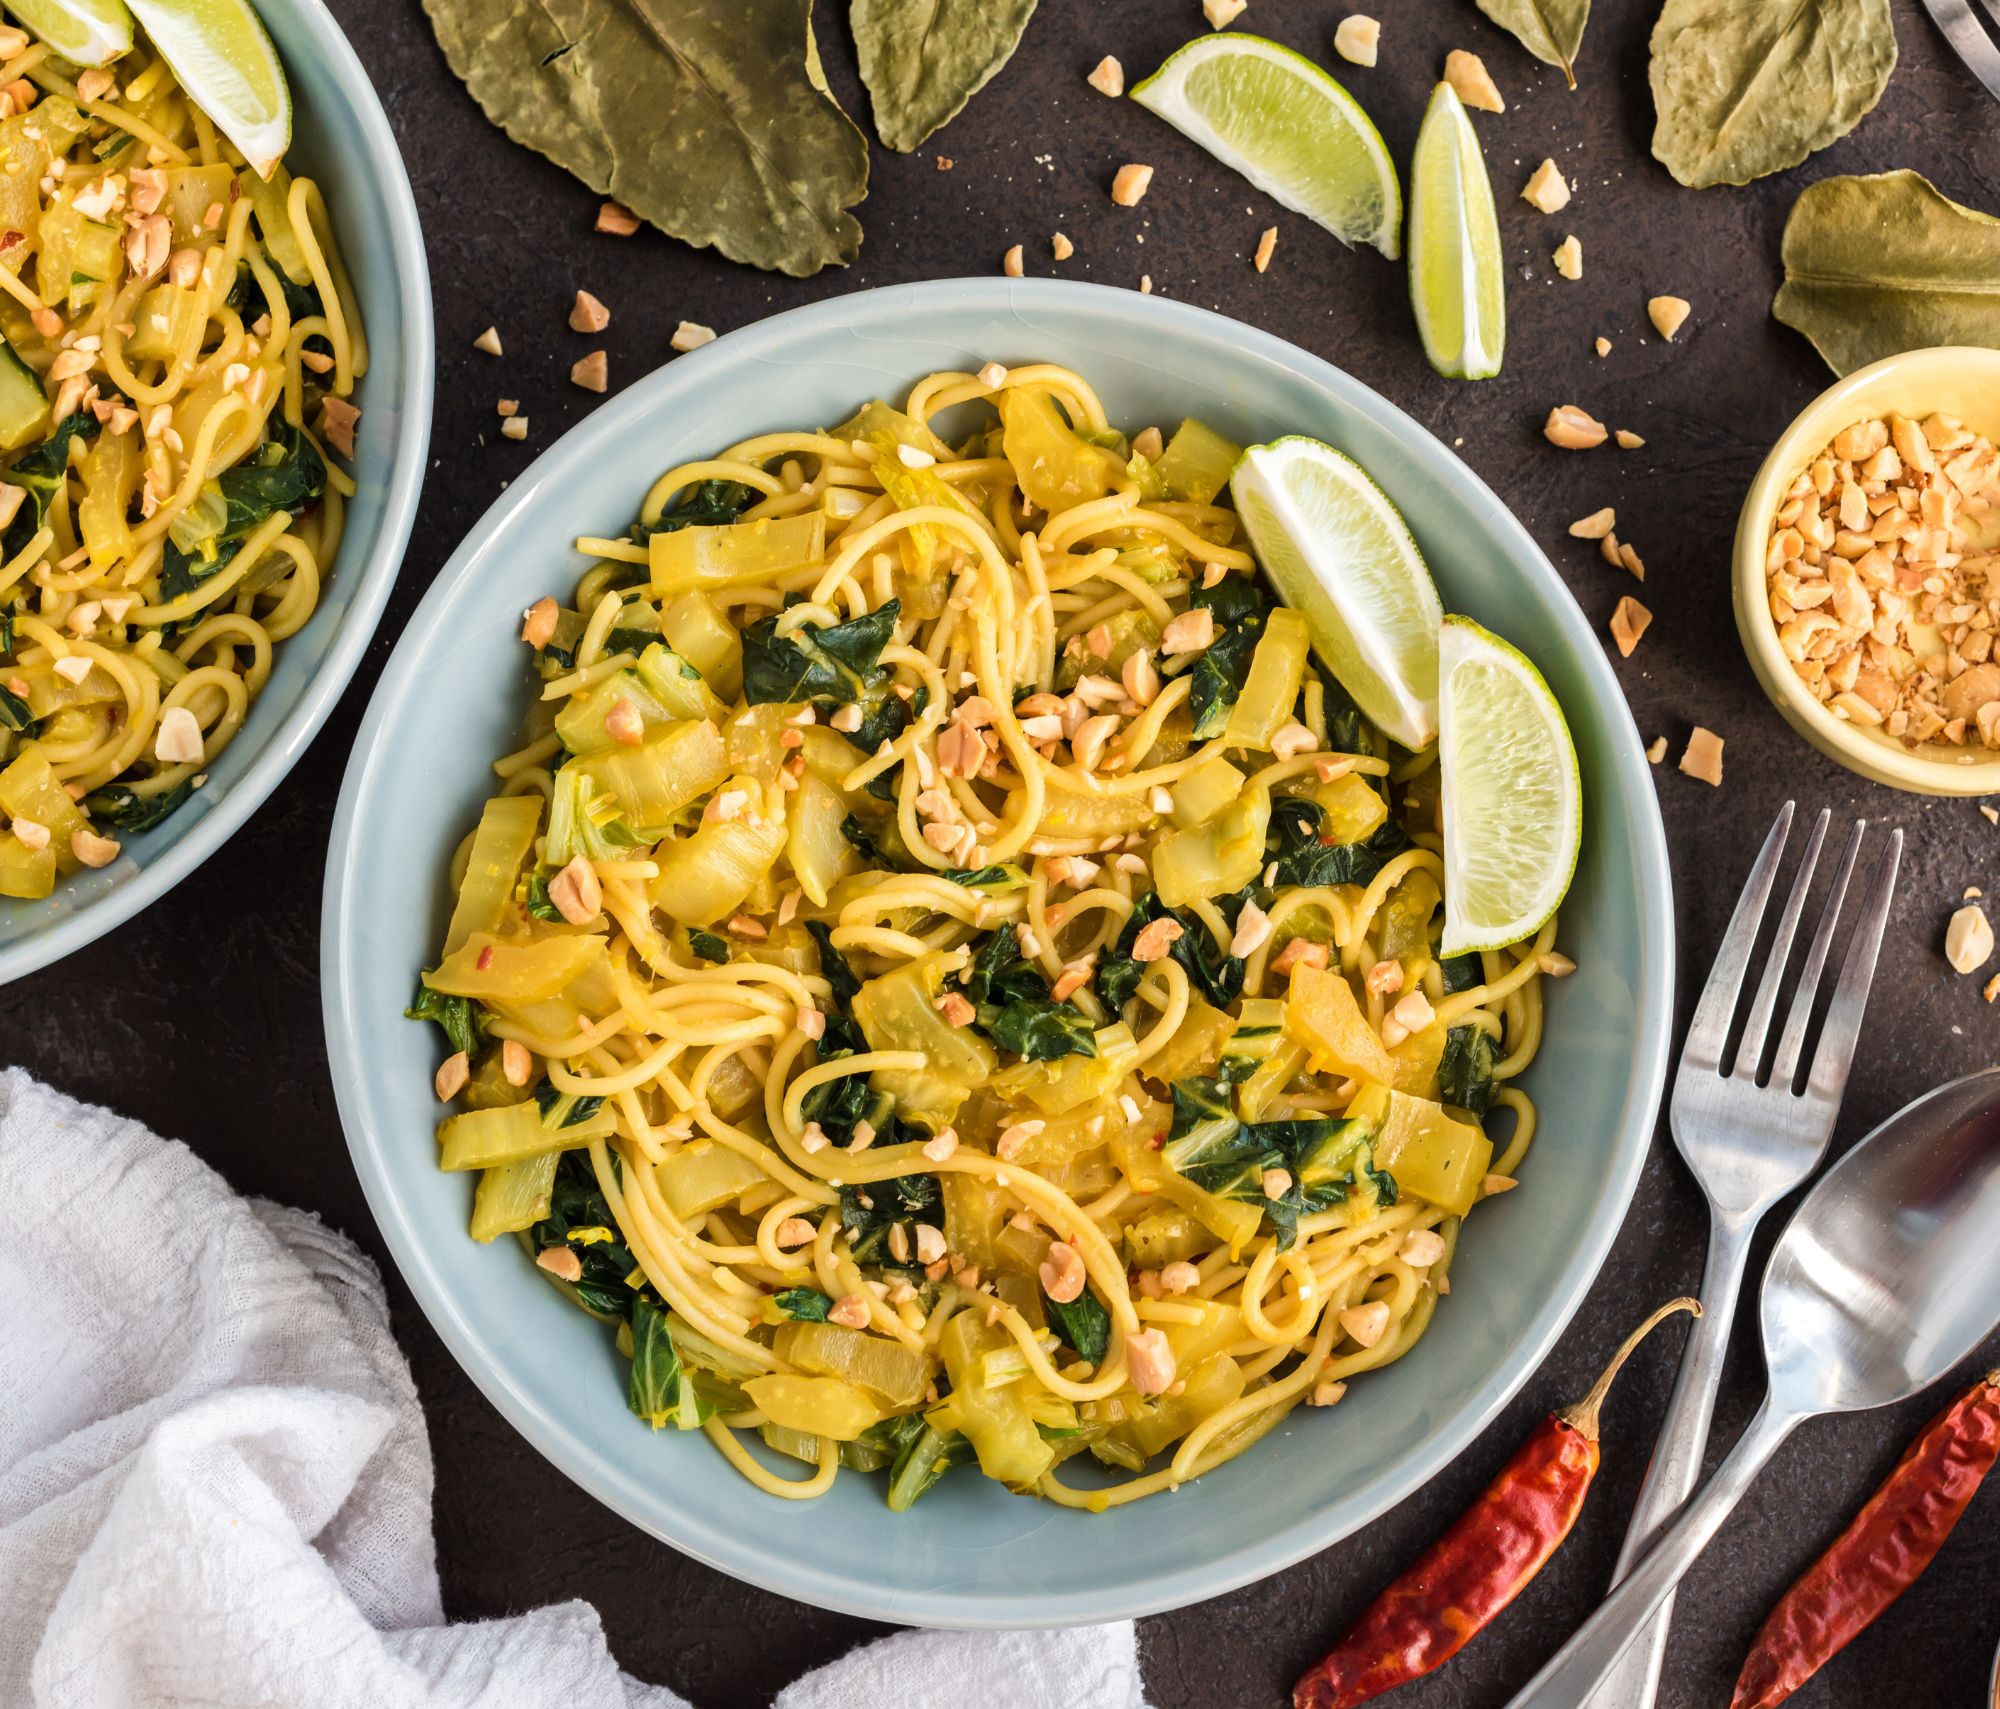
x: 1703, y: 758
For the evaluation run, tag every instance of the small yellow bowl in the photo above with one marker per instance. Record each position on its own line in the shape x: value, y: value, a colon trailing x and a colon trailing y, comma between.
x: 1960, y: 381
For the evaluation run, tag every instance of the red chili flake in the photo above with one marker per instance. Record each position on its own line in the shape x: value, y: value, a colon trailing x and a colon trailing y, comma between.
x: 9, y: 239
x: 485, y: 958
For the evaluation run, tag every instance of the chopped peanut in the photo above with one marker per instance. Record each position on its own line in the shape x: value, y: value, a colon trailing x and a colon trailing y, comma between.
x: 488, y: 341
x: 1107, y: 77
x: 1569, y: 257
x: 1267, y: 246
x: 538, y: 622
x: 1628, y: 622
x: 1062, y: 1272
x: 1968, y: 939
x: 618, y: 221
x: 1667, y: 315
x: 1573, y: 429
x: 1627, y: 440
x: 1596, y: 525
x: 589, y: 315
x: 1129, y: 187
x: 1155, y: 939
x: 575, y: 892
x: 1546, y: 189
x: 690, y: 335
x: 1357, y: 38
x: 1366, y: 1324
x: 1222, y: 13
x: 1060, y: 247
x: 1703, y: 758
x: 1467, y: 74
x: 1149, y: 1360
x: 591, y: 372
x: 1010, y: 263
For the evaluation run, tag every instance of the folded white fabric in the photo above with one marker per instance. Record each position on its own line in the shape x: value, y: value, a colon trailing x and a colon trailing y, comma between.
x: 215, y: 1485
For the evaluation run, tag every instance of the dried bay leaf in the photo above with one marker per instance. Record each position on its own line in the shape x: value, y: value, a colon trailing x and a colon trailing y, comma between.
x: 1887, y: 263
x: 710, y: 118
x: 1551, y: 30
x: 922, y: 60
x: 1742, y: 88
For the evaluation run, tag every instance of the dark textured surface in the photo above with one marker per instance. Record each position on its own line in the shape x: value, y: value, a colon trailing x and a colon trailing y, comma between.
x: 202, y: 1016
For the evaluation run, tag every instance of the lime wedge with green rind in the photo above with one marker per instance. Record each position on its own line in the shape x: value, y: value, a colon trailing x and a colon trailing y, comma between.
x: 1513, y: 801
x: 222, y: 54
x: 84, y: 32
x: 1288, y: 127
x: 1458, y: 285
x: 1340, y: 553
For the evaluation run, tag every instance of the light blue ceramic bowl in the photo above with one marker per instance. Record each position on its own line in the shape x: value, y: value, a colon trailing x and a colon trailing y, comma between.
x: 968, y: 1554
x: 340, y: 137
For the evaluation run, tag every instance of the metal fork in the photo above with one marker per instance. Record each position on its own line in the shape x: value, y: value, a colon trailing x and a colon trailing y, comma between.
x: 1960, y: 27
x: 1749, y: 1140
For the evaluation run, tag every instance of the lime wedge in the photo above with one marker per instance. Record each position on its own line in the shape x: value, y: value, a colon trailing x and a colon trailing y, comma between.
x: 1339, y: 551
x: 225, y: 61
x: 84, y: 32
x: 1285, y: 125
x: 1513, y: 806
x: 1456, y: 283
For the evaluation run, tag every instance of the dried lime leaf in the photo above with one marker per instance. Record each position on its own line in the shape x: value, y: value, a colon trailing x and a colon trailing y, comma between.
x: 1551, y: 30
x: 924, y: 59
x: 1881, y: 264
x: 708, y: 117
x: 1747, y: 87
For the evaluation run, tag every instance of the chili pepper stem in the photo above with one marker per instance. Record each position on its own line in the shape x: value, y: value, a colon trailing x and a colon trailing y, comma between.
x: 1583, y: 1416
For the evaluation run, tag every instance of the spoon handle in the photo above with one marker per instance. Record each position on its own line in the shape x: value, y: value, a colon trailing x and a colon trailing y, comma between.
x: 1577, y: 1668
x: 1634, y: 1680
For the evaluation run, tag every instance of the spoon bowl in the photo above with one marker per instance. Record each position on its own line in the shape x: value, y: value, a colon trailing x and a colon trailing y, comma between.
x: 1889, y: 1274
x: 1886, y: 1277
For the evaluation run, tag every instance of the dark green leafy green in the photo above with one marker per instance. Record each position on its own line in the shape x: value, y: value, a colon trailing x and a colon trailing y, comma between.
x: 1219, y: 981
x: 924, y: 1456
x: 538, y: 904
x: 707, y: 945
x: 1239, y: 607
x: 125, y: 809
x: 1741, y: 90
x: 1465, y: 1070
x: 1551, y: 30
x: 15, y: 713
x: 833, y: 966
x: 1887, y: 263
x: 922, y: 60
x: 461, y: 1018
x: 578, y: 1207
x: 564, y: 1109
x: 1347, y: 730
x: 1082, y: 1325
x: 867, y: 1213
x: 1461, y: 973
x: 706, y: 504
x: 835, y: 663
x: 1323, y: 1157
x: 710, y: 118
x: 42, y: 471
x: 285, y: 473
x: 1304, y: 860
x: 808, y: 1305
x: 661, y: 1392
x: 1010, y: 995
x: 992, y: 879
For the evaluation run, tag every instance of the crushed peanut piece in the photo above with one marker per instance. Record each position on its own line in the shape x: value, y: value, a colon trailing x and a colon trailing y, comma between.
x: 1010, y: 263
x: 514, y: 427
x: 1569, y: 257
x: 1573, y: 429
x: 1657, y: 751
x: 691, y: 335
x: 1547, y: 189
x: 488, y: 341
x: 1130, y: 185
x: 1668, y: 315
x: 1603, y: 347
x: 1703, y: 758
x: 1222, y: 13
x: 1060, y: 247
x: 589, y: 315
x: 1596, y: 525
x: 618, y: 221
x: 1107, y: 77
x: 1968, y: 939
x: 592, y: 372
x: 1266, y: 245
x: 1467, y: 74
x: 1628, y: 622
x: 1357, y: 39
x: 1627, y: 440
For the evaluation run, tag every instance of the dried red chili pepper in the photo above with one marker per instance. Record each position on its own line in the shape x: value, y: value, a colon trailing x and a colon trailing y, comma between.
x: 1463, y: 1580
x: 1881, y: 1554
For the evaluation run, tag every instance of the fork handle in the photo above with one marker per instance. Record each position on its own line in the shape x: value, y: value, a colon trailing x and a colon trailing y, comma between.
x: 1635, y: 1681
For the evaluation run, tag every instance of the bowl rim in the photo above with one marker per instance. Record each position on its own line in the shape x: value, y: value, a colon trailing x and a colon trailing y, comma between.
x: 374, y: 577
x: 1162, y: 1586
x: 1930, y: 770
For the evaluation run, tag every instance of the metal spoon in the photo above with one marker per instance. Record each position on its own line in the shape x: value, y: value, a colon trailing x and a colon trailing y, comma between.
x: 1886, y: 1277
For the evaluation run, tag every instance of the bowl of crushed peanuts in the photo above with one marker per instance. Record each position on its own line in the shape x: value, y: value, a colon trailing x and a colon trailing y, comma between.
x: 1868, y: 572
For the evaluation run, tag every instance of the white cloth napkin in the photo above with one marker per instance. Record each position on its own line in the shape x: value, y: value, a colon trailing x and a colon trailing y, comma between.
x: 215, y: 1485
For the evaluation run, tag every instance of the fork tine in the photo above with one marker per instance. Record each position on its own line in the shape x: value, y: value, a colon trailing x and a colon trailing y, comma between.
x: 1843, y: 1018
x: 1792, y: 1042
x: 1732, y: 959
x: 1750, y: 1053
